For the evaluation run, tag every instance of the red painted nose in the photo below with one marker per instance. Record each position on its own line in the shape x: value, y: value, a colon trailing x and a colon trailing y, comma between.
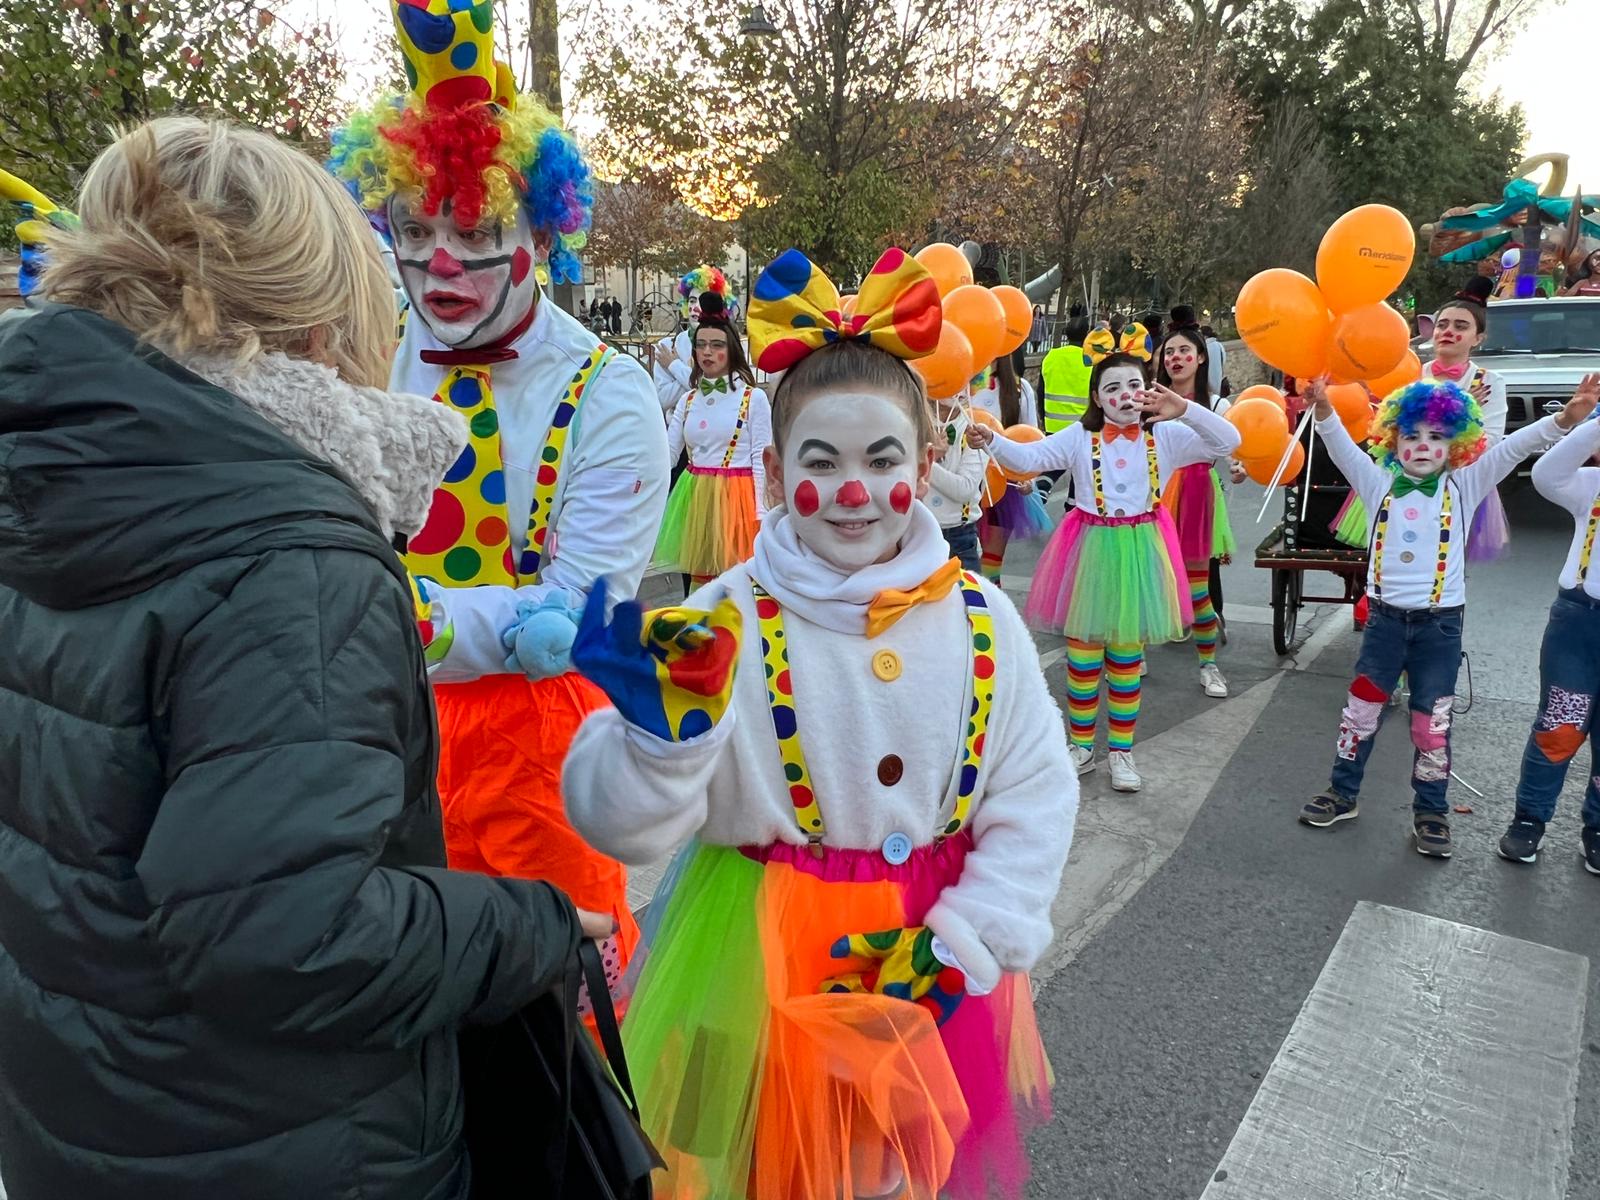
x: 444, y: 265
x: 852, y: 495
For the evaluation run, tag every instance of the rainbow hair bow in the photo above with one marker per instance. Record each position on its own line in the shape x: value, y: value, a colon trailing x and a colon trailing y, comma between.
x: 1135, y: 340
x: 795, y: 309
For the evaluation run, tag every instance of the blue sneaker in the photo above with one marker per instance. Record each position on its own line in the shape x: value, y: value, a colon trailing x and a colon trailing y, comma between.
x: 1591, y: 851
x: 1327, y: 809
x: 1521, y: 841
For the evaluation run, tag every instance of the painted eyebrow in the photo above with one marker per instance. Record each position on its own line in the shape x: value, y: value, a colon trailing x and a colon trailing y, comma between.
x: 888, y: 443
x: 817, y: 444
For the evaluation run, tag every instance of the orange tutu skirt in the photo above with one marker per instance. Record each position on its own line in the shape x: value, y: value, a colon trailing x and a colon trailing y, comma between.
x: 710, y: 523
x: 756, y: 1085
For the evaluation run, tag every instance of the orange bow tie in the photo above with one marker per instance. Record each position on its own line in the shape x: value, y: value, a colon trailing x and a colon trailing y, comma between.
x: 1131, y: 432
x: 889, y: 605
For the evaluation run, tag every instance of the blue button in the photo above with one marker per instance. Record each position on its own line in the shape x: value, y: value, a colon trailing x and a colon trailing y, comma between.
x: 1409, y: 535
x: 896, y: 849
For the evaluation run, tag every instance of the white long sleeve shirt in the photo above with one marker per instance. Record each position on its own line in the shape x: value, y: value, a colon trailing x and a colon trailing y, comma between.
x: 1407, y: 568
x: 704, y: 423
x: 988, y: 399
x: 611, y: 492
x: 1494, y: 405
x: 882, y: 757
x: 672, y: 381
x: 956, y: 482
x: 1566, y: 477
x: 1197, y: 436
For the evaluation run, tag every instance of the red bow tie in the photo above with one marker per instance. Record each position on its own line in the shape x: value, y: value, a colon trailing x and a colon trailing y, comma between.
x: 499, y: 351
x: 1440, y: 371
x: 1131, y: 432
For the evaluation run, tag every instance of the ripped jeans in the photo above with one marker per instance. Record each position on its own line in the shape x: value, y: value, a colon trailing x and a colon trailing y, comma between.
x: 1425, y: 644
x: 1569, y: 678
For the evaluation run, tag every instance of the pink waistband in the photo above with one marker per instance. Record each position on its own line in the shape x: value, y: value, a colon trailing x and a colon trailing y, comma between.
x: 745, y: 471
x: 839, y: 865
x: 1090, y: 518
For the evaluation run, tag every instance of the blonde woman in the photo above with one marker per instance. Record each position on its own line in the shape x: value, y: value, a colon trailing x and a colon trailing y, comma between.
x: 231, y: 961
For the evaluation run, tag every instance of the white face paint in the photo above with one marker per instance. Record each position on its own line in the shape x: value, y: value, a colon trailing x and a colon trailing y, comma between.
x: 1118, y: 395
x: 472, y: 286
x: 1455, y: 335
x: 850, y: 470
x: 1424, y: 452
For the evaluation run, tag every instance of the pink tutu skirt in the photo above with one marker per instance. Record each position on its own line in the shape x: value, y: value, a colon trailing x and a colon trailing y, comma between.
x: 1199, y: 513
x: 1112, y: 581
x: 1490, y: 535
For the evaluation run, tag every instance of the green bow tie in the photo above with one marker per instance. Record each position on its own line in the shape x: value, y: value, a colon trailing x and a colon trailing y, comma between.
x: 720, y: 384
x: 1404, y: 485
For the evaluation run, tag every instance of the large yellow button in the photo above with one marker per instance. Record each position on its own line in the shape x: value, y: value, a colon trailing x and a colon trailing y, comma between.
x: 886, y: 665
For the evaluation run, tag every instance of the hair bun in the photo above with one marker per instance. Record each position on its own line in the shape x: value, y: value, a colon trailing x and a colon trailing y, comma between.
x: 712, y: 306
x: 1182, y: 317
x: 1477, y: 290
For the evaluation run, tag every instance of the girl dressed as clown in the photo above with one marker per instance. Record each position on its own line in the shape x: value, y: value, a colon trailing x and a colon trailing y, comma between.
x: 875, y: 791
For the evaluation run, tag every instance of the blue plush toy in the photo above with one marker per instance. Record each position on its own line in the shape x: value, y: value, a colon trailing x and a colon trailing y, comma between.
x: 540, y: 643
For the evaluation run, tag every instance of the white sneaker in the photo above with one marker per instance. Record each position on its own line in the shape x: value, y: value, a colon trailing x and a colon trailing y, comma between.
x: 1082, y: 758
x: 1211, y: 679
x: 1144, y: 667
x: 1123, y: 777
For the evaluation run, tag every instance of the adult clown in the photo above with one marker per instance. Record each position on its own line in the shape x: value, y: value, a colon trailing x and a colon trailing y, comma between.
x: 485, y: 197
x: 674, y: 356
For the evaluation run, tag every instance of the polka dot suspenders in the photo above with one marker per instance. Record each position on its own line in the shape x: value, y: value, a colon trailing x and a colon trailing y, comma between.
x: 738, y: 424
x: 1442, y: 560
x: 1095, y: 452
x: 785, y: 723
x: 1588, y: 542
x: 544, y: 482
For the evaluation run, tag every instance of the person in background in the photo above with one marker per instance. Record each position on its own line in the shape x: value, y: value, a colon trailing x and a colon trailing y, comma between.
x: 1039, y: 333
x: 1216, y: 362
x: 232, y: 962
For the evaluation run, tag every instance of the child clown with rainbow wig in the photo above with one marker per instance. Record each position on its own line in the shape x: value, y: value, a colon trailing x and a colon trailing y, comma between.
x: 484, y: 198
x: 875, y: 788
x: 1433, y: 467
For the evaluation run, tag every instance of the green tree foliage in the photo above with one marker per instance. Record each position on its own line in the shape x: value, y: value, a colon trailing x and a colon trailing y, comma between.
x: 77, y: 70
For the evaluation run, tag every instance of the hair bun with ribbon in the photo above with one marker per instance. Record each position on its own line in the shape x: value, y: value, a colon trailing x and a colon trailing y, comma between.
x: 795, y: 309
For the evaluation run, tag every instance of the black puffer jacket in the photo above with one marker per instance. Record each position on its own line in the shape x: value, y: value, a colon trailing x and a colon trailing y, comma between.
x: 230, y: 960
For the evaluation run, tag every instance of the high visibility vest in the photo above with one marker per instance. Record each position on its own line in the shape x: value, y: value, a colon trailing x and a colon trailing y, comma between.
x: 1065, y: 371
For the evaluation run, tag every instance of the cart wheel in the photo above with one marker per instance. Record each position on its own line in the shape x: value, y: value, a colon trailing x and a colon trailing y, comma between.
x: 1285, y: 609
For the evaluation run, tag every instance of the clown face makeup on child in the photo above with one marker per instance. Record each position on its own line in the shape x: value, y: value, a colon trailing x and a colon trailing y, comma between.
x: 472, y: 286
x: 1424, y: 451
x: 1456, y: 334
x: 1118, y: 395
x: 850, y: 470
x: 711, y: 352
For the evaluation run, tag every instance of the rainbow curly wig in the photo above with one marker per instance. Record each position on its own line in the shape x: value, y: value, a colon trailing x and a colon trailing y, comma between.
x: 701, y: 279
x: 1429, y: 402
x: 464, y: 137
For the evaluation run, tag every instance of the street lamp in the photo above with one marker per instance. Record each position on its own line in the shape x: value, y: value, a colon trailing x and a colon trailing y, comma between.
x: 756, y: 23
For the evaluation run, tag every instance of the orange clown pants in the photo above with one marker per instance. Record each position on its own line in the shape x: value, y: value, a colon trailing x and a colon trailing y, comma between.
x: 502, y: 740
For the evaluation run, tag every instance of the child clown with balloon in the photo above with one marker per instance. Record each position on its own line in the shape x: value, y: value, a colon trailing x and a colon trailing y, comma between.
x: 1112, y: 577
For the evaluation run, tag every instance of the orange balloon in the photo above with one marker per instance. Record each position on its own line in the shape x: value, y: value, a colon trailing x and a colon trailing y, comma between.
x: 948, y: 266
x: 1364, y: 256
x: 976, y: 312
x: 1019, y: 315
x: 1354, y: 406
x: 1263, y: 469
x: 1409, y: 371
x: 948, y: 368
x: 1263, y: 428
x: 994, y: 484
x: 1264, y: 391
x: 1284, y: 321
x: 1022, y: 433
x: 1368, y: 343
x: 982, y: 416
x: 847, y: 305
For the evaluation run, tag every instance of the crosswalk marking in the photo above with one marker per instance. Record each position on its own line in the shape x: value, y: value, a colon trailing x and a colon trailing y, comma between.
x: 1430, y: 1060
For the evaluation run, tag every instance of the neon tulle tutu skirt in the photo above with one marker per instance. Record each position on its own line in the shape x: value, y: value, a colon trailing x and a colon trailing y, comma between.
x: 1199, y: 513
x: 1350, y: 526
x: 710, y: 524
x: 1490, y: 534
x: 1021, y: 516
x: 755, y: 1085
x: 1112, y: 580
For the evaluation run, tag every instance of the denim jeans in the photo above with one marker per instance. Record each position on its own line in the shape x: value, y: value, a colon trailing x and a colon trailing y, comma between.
x: 1425, y: 644
x: 1569, y: 679
x: 963, y: 541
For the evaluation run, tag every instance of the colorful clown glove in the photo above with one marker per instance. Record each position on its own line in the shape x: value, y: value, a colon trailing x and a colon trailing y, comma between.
x: 433, y: 620
x: 539, y: 644
x: 39, y: 213
x: 908, y: 967
x: 669, y: 671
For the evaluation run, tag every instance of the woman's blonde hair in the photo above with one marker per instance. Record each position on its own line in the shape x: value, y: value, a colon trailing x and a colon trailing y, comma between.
x: 205, y: 236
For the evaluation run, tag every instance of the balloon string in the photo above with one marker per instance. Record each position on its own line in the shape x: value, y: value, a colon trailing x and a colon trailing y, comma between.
x: 1283, y: 463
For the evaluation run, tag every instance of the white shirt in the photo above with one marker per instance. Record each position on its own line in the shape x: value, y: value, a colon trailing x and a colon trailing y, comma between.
x: 704, y: 423
x: 672, y: 382
x: 957, y: 478
x: 1564, y: 477
x: 1216, y: 365
x: 610, y: 495
x: 1198, y: 436
x: 989, y: 400
x: 1414, y: 520
x: 636, y: 797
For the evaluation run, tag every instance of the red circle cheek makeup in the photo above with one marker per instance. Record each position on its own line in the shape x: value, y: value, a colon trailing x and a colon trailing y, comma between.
x: 900, y: 498
x: 805, y: 499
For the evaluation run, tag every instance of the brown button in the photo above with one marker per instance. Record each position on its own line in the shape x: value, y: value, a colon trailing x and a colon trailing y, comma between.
x: 886, y: 665
x: 890, y: 769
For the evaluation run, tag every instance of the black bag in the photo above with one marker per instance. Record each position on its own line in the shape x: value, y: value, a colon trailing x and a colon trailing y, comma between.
x: 546, y: 1116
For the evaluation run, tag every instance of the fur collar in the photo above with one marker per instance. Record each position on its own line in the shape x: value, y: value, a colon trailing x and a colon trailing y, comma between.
x: 394, y: 448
